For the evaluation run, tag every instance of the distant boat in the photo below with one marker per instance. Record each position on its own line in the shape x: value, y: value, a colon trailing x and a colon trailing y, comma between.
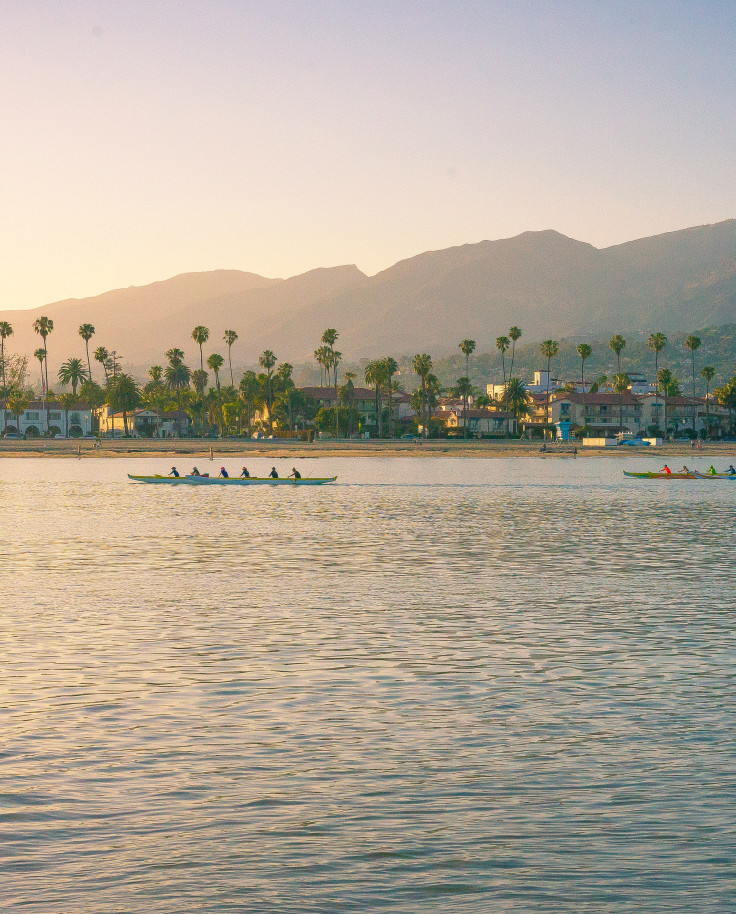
x: 234, y: 481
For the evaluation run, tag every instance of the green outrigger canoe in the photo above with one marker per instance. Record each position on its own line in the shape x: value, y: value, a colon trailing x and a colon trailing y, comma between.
x: 232, y: 481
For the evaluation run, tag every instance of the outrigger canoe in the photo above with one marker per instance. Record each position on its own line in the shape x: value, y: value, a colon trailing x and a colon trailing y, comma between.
x: 661, y: 475
x: 233, y: 481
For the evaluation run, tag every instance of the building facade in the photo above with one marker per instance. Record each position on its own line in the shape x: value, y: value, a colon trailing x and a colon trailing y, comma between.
x: 47, y: 418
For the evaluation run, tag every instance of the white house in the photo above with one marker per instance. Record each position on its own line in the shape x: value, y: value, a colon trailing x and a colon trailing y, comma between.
x: 41, y: 418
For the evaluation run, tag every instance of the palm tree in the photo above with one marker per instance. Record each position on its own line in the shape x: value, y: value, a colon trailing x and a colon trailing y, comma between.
x: 200, y: 335
x: 321, y: 355
x: 40, y: 354
x: 514, y: 336
x: 390, y: 368
x: 267, y: 360
x: 708, y: 372
x: 621, y: 383
x: 329, y: 338
x: 515, y: 398
x: 656, y: 342
x: 502, y: 344
x: 215, y: 363
x: 43, y: 326
x: 230, y: 337
x: 247, y: 392
x: 422, y: 365
x: 199, y: 381
x: 177, y: 376
x: 464, y: 389
x: 693, y: 344
x: 549, y: 349
x: 6, y: 330
x: 374, y: 374
x: 101, y: 356
x: 123, y: 395
x: 664, y: 379
x: 72, y: 372
x: 585, y: 352
x: 18, y: 402
x: 87, y: 331
x: 467, y: 347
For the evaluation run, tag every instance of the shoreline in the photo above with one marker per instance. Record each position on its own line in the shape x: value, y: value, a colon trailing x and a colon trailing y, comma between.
x: 178, y: 448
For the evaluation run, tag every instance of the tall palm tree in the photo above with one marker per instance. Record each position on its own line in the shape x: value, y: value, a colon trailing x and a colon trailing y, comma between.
x: 200, y: 335
x: 467, y: 347
x: 230, y: 337
x: 215, y: 363
x: 267, y: 360
x: 515, y: 399
x: 72, y: 372
x: 664, y: 379
x: 87, y: 331
x: 422, y: 365
x: 101, y: 356
x: 549, y: 349
x: 247, y: 392
x: 618, y: 344
x: 585, y: 352
x: 656, y: 342
x: 177, y: 376
x: 329, y: 338
x: 123, y: 395
x: 40, y: 354
x: 621, y: 384
x: 6, y: 330
x: 199, y: 381
x: 390, y: 368
x: 514, y: 336
x: 693, y: 344
x: 43, y: 326
x: 502, y: 344
x: 321, y: 356
x: 464, y: 389
x: 374, y: 374
x: 708, y: 372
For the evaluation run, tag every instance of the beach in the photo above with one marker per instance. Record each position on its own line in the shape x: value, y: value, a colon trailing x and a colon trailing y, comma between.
x: 178, y: 448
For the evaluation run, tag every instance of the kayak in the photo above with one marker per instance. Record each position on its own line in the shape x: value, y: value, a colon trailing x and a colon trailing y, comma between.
x: 661, y: 475
x: 234, y: 481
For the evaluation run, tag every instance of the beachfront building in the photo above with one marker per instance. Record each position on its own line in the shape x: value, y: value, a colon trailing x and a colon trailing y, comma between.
x: 638, y: 414
x: 143, y: 423
x: 364, y: 401
x: 482, y: 423
x: 47, y: 418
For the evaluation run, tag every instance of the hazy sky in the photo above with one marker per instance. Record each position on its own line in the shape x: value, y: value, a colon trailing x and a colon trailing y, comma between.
x: 145, y: 138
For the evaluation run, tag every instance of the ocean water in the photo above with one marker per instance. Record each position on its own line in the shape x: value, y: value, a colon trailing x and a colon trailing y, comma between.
x: 438, y: 685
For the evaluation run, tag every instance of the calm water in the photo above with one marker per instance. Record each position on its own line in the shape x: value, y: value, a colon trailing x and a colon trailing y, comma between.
x: 440, y: 685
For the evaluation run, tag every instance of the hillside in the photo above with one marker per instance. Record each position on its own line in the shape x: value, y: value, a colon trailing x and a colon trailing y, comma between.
x: 550, y: 285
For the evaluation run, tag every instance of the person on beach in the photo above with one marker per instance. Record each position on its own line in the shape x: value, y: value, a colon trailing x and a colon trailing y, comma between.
x: 245, y: 473
x: 295, y: 473
x: 273, y: 474
x: 174, y: 472
x: 666, y: 469
x: 224, y: 473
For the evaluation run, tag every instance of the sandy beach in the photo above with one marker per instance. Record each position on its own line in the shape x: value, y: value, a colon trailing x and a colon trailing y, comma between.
x: 178, y: 448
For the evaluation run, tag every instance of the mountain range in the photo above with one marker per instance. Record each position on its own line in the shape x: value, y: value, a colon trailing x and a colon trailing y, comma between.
x: 546, y: 283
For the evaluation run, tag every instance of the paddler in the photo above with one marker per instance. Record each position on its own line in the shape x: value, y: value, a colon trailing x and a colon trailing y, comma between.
x: 685, y: 470
x: 731, y: 471
x: 273, y: 474
x: 174, y: 472
x: 224, y: 473
x: 245, y: 473
x: 711, y: 470
x: 666, y: 469
x: 295, y: 474
x: 195, y: 472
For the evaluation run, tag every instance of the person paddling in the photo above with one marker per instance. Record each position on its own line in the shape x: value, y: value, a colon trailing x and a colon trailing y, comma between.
x: 295, y: 474
x: 273, y: 474
x: 685, y: 471
x: 245, y: 473
x: 224, y: 473
x: 666, y: 469
x: 711, y: 470
x: 195, y: 472
x: 174, y: 472
x: 731, y: 471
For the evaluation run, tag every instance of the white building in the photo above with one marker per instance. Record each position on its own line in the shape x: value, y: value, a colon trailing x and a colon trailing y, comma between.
x: 40, y: 418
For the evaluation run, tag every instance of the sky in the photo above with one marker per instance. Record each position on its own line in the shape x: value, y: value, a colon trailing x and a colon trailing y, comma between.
x: 146, y: 138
